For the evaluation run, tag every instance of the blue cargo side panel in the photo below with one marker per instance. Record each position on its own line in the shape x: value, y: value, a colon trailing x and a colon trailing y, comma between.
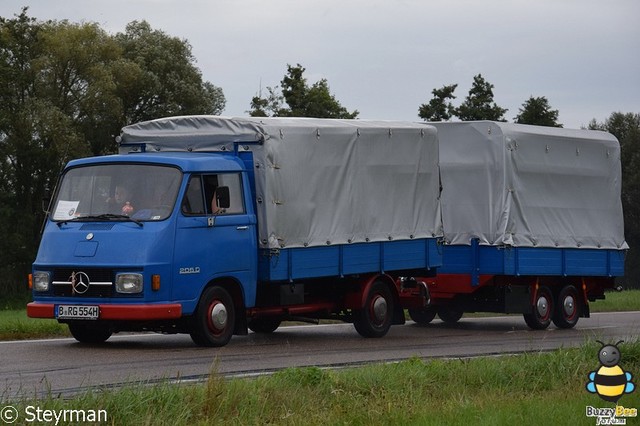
x: 616, y: 262
x: 459, y: 259
x: 317, y: 262
x: 533, y: 261
x: 409, y: 254
x: 474, y: 260
x: 314, y: 262
x: 360, y: 258
x: 586, y: 262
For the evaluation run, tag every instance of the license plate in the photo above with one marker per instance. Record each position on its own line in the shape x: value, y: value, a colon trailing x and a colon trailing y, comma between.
x: 78, y: 312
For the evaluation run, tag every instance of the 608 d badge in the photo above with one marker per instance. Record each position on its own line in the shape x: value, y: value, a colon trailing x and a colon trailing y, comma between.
x: 190, y: 270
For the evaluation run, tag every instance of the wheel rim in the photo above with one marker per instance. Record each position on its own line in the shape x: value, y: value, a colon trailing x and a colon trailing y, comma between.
x: 379, y: 309
x: 217, y: 317
x: 569, y: 306
x: 542, y: 306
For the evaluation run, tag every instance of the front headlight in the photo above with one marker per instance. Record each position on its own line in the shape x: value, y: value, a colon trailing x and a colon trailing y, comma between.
x: 129, y: 283
x: 40, y: 281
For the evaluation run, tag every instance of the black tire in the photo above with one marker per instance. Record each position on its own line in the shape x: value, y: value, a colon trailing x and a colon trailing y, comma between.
x: 543, y: 305
x: 374, y: 319
x: 568, y: 308
x: 422, y: 316
x: 264, y: 325
x: 450, y: 315
x: 90, y: 332
x: 214, y: 319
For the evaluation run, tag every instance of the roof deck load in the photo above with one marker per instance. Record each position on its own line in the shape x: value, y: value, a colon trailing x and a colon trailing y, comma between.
x: 529, y: 186
x: 319, y: 182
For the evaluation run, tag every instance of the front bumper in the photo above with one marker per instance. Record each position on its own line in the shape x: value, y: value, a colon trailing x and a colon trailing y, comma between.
x: 121, y: 312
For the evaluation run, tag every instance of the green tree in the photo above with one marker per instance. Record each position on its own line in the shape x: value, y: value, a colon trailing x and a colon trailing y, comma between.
x: 76, y: 79
x: 36, y: 135
x: 65, y: 90
x: 439, y: 107
x: 271, y: 106
x: 626, y: 127
x: 479, y: 104
x: 158, y: 77
x: 537, y: 111
x: 301, y: 99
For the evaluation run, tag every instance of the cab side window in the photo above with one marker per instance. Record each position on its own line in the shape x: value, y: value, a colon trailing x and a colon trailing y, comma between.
x: 233, y: 181
x: 193, y: 202
x: 202, y: 195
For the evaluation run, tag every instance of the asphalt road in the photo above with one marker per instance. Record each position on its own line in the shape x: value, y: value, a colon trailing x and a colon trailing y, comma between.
x: 64, y: 367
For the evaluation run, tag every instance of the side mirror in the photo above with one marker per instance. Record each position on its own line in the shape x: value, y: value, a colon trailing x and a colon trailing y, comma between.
x: 222, y: 196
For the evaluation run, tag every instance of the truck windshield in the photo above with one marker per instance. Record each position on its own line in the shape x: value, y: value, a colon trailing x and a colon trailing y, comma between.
x: 138, y: 192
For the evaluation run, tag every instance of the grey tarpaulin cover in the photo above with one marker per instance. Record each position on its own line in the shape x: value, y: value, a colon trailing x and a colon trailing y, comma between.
x: 530, y: 186
x: 321, y: 182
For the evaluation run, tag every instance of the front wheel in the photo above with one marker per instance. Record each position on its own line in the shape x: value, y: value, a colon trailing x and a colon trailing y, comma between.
x: 540, y: 318
x: 214, y: 319
x: 85, y: 332
x: 567, y: 311
x: 374, y: 319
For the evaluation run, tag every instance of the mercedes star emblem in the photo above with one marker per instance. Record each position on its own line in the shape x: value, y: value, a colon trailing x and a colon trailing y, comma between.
x: 79, y: 282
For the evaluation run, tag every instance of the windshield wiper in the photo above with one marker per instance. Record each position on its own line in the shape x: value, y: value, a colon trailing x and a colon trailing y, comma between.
x: 105, y: 217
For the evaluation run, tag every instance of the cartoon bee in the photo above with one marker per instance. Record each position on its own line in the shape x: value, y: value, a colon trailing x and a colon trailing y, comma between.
x: 610, y: 382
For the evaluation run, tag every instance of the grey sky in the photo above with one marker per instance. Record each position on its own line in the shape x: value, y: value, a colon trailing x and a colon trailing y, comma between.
x: 383, y: 58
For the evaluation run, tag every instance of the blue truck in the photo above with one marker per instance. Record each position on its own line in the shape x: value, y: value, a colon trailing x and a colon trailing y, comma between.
x: 214, y: 226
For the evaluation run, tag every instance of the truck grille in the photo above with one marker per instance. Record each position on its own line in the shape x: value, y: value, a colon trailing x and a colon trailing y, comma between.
x: 100, y: 282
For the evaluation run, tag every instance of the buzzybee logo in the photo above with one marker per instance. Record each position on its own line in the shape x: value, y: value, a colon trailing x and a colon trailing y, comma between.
x: 610, y: 382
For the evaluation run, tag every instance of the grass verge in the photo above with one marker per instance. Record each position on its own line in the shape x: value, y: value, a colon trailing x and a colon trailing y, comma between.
x: 15, y: 325
x: 529, y: 389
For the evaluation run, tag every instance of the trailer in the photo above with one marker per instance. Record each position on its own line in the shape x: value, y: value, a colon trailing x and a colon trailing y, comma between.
x: 532, y: 221
x: 213, y: 226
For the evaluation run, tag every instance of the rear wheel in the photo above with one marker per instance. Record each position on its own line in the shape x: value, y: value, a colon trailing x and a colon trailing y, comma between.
x: 450, y: 315
x: 89, y: 332
x: 214, y: 319
x: 374, y: 319
x: 264, y: 325
x: 567, y: 310
x: 540, y: 318
x: 422, y: 316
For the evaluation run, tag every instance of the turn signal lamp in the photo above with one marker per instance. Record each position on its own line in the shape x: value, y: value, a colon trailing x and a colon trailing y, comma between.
x: 155, y: 282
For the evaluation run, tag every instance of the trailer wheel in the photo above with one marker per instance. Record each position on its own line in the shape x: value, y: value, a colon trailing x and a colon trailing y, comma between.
x: 89, y: 332
x: 540, y: 318
x: 214, y: 319
x: 374, y: 319
x: 422, y: 316
x: 264, y: 325
x: 450, y: 315
x: 567, y: 311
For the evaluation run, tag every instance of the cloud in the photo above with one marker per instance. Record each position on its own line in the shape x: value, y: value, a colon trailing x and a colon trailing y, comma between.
x: 384, y: 58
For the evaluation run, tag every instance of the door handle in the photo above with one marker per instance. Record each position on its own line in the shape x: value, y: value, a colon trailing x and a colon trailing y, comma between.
x: 242, y: 228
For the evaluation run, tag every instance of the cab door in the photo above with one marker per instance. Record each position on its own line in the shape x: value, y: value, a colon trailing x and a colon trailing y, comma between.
x: 212, y: 240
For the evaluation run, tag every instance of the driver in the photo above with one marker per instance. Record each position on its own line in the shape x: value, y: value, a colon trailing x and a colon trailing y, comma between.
x: 121, y: 201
